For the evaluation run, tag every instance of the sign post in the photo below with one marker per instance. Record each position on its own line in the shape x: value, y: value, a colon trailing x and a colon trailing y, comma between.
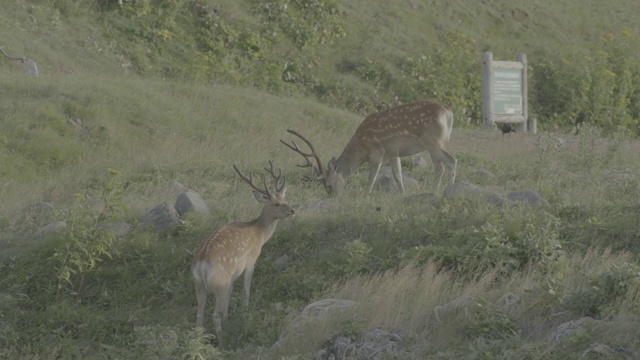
x: 504, y: 88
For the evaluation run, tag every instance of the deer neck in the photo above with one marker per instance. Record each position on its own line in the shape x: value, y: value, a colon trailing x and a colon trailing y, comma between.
x: 352, y: 157
x: 267, y: 224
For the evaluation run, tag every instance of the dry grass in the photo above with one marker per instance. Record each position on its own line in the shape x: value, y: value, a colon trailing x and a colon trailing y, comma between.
x: 407, y: 300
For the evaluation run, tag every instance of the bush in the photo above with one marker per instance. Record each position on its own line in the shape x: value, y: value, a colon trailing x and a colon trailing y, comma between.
x: 449, y: 73
x: 605, y: 291
x: 600, y: 87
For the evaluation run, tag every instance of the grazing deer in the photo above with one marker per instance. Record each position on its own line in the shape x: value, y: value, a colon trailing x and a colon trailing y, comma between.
x: 225, y: 254
x: 401, y: 131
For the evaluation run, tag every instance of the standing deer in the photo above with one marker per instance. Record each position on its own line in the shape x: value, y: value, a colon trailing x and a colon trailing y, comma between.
x: 401, y: 131
x: 225, y: 254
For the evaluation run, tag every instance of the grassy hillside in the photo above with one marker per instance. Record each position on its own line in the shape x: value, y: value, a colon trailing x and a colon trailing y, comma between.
x: 130, y: 99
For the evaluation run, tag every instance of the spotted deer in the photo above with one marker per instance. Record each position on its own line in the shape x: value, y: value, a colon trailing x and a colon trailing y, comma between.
x: 404, y: 130
x: 233, y: 249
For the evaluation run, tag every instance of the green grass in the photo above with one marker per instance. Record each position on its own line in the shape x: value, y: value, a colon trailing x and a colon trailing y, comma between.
x: 87, y: 118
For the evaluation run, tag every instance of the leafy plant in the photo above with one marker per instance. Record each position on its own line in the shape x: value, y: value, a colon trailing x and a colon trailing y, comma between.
x: 87, y: 239
x: 355, y: 259
x: 489, y: 322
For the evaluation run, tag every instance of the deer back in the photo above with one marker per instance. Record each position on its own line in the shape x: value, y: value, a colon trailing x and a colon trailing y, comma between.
x: 404, y: 130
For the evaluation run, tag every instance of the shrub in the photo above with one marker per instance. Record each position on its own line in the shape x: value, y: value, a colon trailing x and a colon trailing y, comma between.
x: 85, y: 240
x: 605, y: 290
x: 449, y: 73
x: 602, y: 87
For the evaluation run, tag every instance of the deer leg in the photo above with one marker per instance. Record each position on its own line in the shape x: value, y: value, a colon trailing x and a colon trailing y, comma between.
x: 396, y: 169
x: 248, y: 274
x: 201, y: 296
x: 222, y: 306
x: 451, y: 163
x: 373, y: 174
x: 438, y: 167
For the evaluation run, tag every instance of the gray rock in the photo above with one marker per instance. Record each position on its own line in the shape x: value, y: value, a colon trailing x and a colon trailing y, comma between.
x: 374, y: 344
x: 497, y: 200
x: 571, y: 328
x: 462, y: 189
x: 527, y: 197
x: 190, y: 201
x: 314, y: 313
x: 482, y: 177
x: 162, y: 218
x: 386, y: 182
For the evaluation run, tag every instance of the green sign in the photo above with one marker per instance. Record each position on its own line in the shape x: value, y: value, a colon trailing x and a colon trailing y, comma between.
x: 507, y: 91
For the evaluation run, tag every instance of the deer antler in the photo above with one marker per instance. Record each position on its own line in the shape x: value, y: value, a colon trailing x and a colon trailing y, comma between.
x: 249, y: 180
x: 8, y: 56
x: 319, y: 170
x: 279, y: 179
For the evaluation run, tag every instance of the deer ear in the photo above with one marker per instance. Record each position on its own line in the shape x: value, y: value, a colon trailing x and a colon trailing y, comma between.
x: 260, y: 196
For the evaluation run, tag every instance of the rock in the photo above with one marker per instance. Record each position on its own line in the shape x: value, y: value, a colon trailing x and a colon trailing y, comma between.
x: 482, y: 176
x: 190, y: 201
x: 162, y: 218
x: 386, y: 182
x: 571, y: 328
x: 496, y: 200
x: 462, y: 189
x: 315, y: 313
x: 527, y: 197
x: 375, y: 344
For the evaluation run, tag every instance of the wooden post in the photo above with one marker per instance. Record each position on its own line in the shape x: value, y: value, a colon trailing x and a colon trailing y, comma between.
x: 487, y: 89
x: 532, y: 125
x: 521, y: 57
